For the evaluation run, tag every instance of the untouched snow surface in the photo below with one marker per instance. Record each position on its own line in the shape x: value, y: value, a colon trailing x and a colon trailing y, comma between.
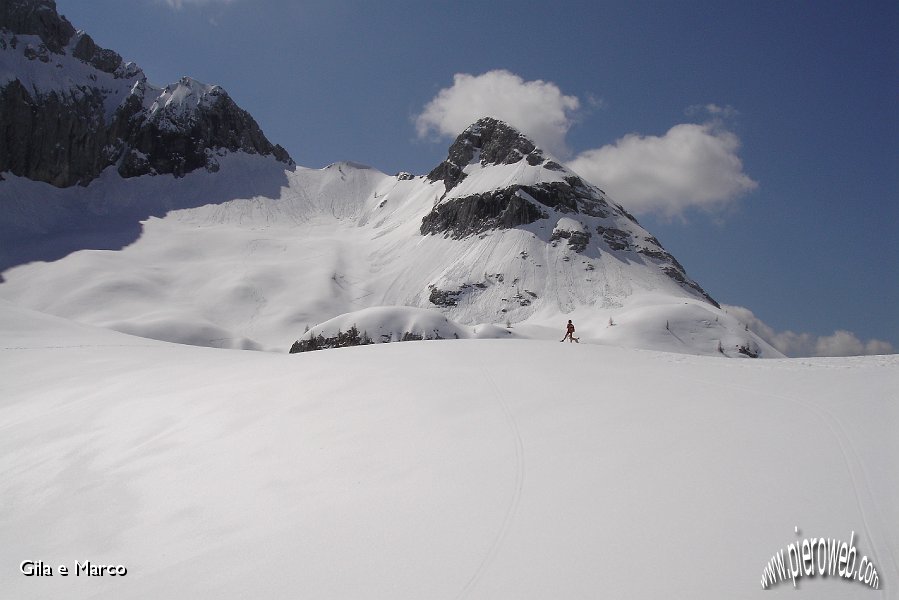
x: 449, y: 469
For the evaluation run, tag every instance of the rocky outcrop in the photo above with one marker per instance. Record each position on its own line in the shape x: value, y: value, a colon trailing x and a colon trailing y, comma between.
x: 491, y: 142
x: 474, y: 214
x: 55, y: 140
x: 79, y: 108
x: 108, y: 61
x: 177, y: 139
x: 574, y: 208
x: 577, y: 238
x: 37, y: 17
x: 343, y: 339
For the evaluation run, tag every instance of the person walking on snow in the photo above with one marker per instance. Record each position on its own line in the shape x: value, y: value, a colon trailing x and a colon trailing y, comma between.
x: 569, y: 333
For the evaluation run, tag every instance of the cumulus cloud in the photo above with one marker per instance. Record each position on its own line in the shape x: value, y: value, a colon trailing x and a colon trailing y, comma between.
x: 537, y: 108
x: 841, y: 343
x: 691, y: 166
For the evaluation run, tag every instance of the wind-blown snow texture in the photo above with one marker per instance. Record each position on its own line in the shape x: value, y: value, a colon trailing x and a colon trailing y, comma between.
x: 471, y: 468
x: 464, y: 469
x: 252, y: 255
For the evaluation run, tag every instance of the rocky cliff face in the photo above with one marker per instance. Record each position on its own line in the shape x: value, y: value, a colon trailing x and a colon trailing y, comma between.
x: 69, y: 108
x: 490, y: 142
x: 496, y: 178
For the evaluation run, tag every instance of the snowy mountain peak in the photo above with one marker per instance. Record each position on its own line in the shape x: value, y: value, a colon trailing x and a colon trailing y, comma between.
x: 488, y: 141
x: 496, y: 179
x: 180, y: 101
x: 70, y: 109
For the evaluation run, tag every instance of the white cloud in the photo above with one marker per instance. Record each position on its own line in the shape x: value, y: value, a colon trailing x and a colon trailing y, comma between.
x: 841, y: 343
x: 691, y: 166
x: 722, y: 112
x: 597, y: 102
x: 537, y: 108
x: 846, y: 343
x: 179, y: 4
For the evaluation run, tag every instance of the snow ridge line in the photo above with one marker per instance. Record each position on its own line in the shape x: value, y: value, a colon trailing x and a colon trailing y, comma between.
x: 511, y: 511
x: 78, y: 346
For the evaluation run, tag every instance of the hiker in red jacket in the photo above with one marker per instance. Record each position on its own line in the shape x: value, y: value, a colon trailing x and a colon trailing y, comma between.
x: 569, y: 333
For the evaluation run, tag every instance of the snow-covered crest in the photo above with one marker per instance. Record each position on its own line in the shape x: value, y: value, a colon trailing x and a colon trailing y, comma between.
x: 180, y: 101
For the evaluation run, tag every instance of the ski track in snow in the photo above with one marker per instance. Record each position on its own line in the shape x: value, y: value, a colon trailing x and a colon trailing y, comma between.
x: 852, y: 462
x: 509, y: 517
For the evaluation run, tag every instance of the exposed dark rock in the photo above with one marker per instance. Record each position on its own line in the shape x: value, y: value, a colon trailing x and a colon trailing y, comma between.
x: 179, y: 144
x: 40, y: 53
x: 557, y: 196
x: 470, y: 215
x: 443, y: 298
x: 679, y: 276
x: 59, y: 140
x: 749, y: 349
x: 595, y: 209
x: 504, y: 209
x: 100, y: 58
x: 352, y: 337
x: 37, y: 17
x: 662, y: 255
x: 69, y: 137
x: 627, y: 214
x: 617, y: 239
x: 343, y: 339
x: 577, y: 240
x: 672, y: 268
x: 491, y: 142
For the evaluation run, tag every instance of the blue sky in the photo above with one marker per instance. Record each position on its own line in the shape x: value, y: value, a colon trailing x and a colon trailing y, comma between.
x: 759, y: 141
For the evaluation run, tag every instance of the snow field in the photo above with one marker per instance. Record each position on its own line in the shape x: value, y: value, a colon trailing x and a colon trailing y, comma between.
x: 470, y: 468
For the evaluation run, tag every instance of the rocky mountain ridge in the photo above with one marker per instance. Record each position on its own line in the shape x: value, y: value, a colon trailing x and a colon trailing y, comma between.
x: 499, y: 233
x: 536, y: 189
x: 69, y: 108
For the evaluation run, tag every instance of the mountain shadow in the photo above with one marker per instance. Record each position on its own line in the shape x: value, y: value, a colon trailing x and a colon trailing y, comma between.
x: 40, y: 222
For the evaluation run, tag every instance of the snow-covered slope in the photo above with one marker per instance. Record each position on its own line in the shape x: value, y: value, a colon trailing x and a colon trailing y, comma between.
x: 249, y: 252
x: 528, y: 469
x: 261, y: 253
